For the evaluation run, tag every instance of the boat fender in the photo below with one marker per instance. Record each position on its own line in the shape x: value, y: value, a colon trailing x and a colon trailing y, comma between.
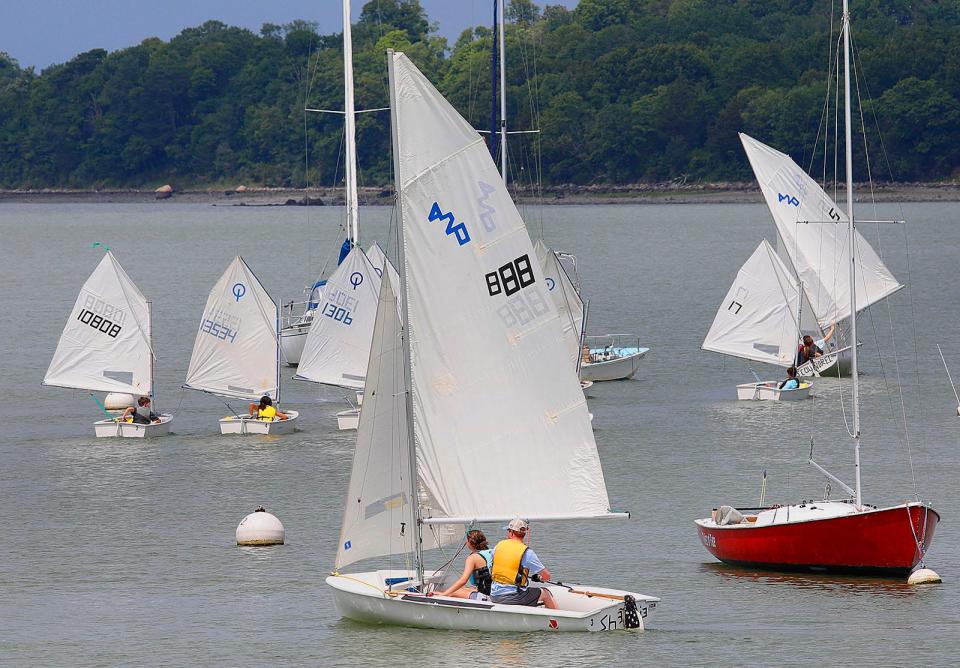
x: 924, y: 576
x: 631, y: 617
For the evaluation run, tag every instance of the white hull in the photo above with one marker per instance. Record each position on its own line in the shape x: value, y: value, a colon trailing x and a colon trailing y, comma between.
x: 362, y: 598
x: 620, y: 367
x: 249, y: 425
x: 768, y: 391
x: 117, y: 429
x: 292, y: 339
x: 347, y: 420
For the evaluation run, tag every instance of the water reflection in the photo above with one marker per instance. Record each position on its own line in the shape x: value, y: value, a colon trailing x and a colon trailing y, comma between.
x: 834, y: 583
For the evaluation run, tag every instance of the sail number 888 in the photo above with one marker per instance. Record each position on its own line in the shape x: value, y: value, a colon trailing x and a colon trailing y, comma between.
x: 511, y: 277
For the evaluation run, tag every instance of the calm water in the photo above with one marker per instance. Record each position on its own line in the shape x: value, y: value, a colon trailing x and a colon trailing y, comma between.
x: 123, y: 552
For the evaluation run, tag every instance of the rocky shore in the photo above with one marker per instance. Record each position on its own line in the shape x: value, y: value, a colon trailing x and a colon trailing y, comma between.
x: 642, y: 193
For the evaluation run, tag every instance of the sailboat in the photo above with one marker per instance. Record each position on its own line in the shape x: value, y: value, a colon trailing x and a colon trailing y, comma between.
x: 597, y: 358
x: 816, y: 252
x: 106, y: 346
x: 474, y: 372
x: 832, y: 535
x: 236, y: 354
x: 759, y: 320
x: 338, y: 344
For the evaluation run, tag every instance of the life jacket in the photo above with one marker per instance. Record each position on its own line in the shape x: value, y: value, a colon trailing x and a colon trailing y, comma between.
x: 783, y: 385
x: 480, y: 578
x: 268, y: 413
x: 507, y: 557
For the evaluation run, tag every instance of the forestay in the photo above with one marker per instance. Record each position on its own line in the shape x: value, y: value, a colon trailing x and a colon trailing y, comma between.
x: 105, y: 345
x: 757, y: 320
x: 814, y: 235
x: 338, y: 344
x: 501, y: 423
x: 377, y: 516
x: 565, y: 298
x: 235, y: 353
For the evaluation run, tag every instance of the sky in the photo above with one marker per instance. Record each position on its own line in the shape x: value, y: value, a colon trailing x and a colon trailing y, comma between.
x: 46, y: 32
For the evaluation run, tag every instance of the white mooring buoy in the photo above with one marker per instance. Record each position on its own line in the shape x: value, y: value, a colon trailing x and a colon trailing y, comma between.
x: 923, y: 576
x: 260, y: 528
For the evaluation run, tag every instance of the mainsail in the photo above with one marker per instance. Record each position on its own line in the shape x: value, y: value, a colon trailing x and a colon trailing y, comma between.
x: 814, y: 235
x: 565, y: 298
x: 105, y: 345
x: 501, y: 424
x: 338, y: 344
x: 757, y: 320
x: 236, y: 353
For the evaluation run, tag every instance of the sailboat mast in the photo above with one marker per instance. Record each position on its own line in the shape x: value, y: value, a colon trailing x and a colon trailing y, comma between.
x: 151, y: 393
x: 350, y: 130
x: 852, y: 249
x: 503, y: 94
x: 405, y: 329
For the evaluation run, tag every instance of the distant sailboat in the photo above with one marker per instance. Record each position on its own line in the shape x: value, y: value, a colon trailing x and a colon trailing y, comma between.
x: 816, y: 253
x: 759, y: 320
x: 106, y: 346
x: 844, y: 535
x: 236, y: 354
x: 476, y: 371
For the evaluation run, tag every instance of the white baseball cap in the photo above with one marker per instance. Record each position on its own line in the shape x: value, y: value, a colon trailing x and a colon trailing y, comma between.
x: 518, y: 525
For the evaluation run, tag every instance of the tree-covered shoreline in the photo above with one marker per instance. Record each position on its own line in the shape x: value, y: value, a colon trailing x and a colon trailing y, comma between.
x: 623, y: 91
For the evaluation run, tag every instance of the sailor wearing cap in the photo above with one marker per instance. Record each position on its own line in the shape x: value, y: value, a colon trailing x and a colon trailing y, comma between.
x: 514, y: 564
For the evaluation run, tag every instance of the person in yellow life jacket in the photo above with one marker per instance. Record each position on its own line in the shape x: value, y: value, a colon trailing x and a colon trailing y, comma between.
x: 514, y: 565
x: 266, y: 411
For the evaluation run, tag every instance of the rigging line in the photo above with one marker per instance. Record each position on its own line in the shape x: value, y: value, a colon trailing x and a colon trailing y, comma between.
x: 949, y: 377
x: 896, y: 358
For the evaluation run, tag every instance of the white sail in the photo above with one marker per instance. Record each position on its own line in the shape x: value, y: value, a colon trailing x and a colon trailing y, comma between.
x: 105, y: 345
x: 501, y: 423
x: 814, y: 236
x: 565, y: 298
x: 757, y: 320
x: 338, y: 344
x: 235, y: 352
x: 378, y: 516
x: 379, y: 260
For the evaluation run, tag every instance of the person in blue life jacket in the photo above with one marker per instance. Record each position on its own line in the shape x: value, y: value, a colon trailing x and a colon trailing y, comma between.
x: 791, y: 382
x: 475, y: 581
x: 514, y: 565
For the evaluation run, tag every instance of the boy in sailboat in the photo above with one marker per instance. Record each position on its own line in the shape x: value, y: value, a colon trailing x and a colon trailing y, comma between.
x: 514, y: 565
x: 475, y: 580
x: 141, y: 413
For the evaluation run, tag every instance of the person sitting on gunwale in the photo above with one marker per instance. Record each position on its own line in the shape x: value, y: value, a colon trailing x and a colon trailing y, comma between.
x: 514, y: 564
x: 266, y: 411
x: 474, y: 582
x: 791, y: 383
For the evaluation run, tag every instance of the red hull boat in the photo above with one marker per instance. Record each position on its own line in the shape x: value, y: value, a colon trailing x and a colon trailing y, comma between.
x: 826, y: 536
